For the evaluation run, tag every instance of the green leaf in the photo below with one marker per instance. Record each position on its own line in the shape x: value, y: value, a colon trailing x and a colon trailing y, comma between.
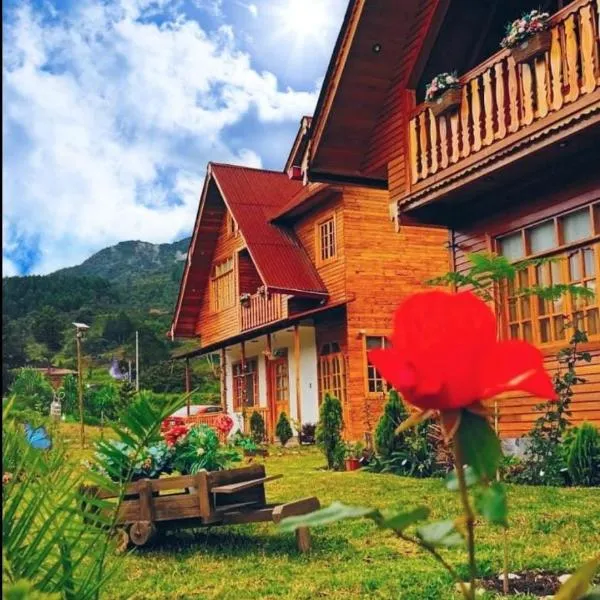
x: 440, y: 533
x: 592, y: 595
x: 470, y: 478
x: 491, y: 504
x: 577, y: 586
x: 335, y: 512
x: 401, y: 521
x: 479, y: 445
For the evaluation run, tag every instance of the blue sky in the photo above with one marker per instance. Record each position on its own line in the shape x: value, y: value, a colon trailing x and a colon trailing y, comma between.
x: 112, y: 108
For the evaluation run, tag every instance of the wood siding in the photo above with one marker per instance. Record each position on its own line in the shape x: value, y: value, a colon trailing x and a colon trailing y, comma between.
x: 517, y: 410
x: 332, y: 271
x: 249, y: 278
x: 382, y: 268
x: 215, y: 326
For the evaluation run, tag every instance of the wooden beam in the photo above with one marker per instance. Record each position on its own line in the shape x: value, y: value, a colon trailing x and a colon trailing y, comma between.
x: 223, y: 380
x: 188, y: 387
x: 297, y: 365
x: 244, y: 390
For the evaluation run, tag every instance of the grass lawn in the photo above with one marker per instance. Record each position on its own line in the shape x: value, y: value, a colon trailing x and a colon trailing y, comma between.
x: 551, y: 528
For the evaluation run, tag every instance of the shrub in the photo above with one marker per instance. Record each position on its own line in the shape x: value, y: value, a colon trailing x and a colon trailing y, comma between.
x: 32, y: 391
x: 307, y: 433
x: 329, y: 432
x: 583, y: 460
x: 283, y: 430
x: 257, y: 428
x: 386, y: 440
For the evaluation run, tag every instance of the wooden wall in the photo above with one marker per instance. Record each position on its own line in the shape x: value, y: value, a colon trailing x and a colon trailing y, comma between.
x: 477, y: 235
x: 331, y: 272
x: 210, y: 326
x: 382, y: 267
x: 249, y: 278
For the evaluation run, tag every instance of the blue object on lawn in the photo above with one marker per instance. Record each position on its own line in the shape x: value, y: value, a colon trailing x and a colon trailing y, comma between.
x: 38, y: 438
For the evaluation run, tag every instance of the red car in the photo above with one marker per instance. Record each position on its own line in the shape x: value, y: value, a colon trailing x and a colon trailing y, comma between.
x: 180, y: 417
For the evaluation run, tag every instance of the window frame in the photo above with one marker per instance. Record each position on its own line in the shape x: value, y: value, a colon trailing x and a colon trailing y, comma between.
x: 240, y: 371
x: 332, y: 247
x: 221, y: 282
x: 540, y: 310
x: 386, y: 386
x: 332, y: 372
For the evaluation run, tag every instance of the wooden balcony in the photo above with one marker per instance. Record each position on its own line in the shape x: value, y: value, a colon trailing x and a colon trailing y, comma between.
x: 262, y: 309
x: 508, y: 110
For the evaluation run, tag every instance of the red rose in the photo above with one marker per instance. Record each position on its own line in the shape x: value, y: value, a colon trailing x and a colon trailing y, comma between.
x: 445, y: 354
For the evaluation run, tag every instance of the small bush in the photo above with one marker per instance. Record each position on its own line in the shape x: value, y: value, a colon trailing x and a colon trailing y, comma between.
x: 583, y: 460
x: 32, y: 391
x: 283, y: 430
x: 329, y: 432
x: 386, y: 440
x: 307, y: 433
x: 257, y: 428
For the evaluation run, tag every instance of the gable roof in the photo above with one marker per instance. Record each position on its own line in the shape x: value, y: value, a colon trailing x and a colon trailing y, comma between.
x: 252, y: 196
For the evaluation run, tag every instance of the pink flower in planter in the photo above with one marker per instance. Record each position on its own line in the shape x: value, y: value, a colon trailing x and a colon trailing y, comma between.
x: 445, y: 357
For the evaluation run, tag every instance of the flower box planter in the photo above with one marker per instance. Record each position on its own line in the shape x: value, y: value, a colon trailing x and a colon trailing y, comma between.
x: 352, y: 464
x: 534, y: 46
x: 448, y: 101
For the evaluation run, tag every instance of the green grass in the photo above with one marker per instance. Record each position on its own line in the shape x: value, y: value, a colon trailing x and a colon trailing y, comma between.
x: 551, y: 528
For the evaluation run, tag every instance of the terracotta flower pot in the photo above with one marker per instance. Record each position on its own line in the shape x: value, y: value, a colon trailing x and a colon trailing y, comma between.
x: 352, y: 464
x: 449, y: 100
x: 536, y: 45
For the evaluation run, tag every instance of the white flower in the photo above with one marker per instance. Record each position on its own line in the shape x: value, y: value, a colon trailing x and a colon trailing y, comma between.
x: 200, y: 451
x: 542, y: 473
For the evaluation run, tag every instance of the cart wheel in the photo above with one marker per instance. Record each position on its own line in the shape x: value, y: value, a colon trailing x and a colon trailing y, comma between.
x: 122, y: 540
x: 141, y: 532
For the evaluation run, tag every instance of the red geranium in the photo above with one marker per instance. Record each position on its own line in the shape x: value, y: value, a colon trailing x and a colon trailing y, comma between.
x: 445, y: 356
x: 173, y: 435
x: 224, y: 424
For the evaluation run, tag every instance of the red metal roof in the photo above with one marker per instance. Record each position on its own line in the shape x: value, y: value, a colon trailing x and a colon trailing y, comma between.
x: 253, y: 197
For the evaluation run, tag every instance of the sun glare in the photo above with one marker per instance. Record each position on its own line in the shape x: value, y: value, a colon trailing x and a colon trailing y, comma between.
x: 303, y: 20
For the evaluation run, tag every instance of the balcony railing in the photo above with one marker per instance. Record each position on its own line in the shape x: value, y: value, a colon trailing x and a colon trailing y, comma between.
x: 503, y: 102
x: 262, y: 309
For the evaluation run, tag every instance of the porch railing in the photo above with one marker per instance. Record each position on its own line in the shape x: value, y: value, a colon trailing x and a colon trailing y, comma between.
x: 505, y: 101
x: 262, y: 309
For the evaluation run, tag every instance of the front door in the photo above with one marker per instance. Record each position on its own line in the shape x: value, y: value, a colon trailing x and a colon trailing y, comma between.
x: 279, y: 391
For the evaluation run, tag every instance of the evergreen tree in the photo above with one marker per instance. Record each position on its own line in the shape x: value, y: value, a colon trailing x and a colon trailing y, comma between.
x: 47, y: 328
x: 257, y: 428
x: 386, y: 440
x: 118, y: 329
x: 329, y: 431
x: 126, y: 394
x: 283, y: 430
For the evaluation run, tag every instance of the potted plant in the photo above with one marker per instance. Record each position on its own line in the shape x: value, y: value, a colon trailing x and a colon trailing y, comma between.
x: 245, y: 299
x: 528, y: 36
x: 352, y: 456
x: 307, y: 433
x: 443, y: 93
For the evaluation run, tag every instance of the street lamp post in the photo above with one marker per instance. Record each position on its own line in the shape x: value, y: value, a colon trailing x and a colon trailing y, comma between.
x: 80, y: 329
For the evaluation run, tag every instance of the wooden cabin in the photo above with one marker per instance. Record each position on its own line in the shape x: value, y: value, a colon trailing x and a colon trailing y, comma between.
x: 291, y: 282
x: 514, y: 169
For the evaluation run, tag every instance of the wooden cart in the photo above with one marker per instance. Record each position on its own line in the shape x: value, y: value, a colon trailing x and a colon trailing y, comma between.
x: 208, y: 498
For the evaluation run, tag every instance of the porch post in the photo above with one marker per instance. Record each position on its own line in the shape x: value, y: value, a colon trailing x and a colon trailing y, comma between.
x: 244, y: 394
x: 297, y: 365
x: 270, y: 391
x: 223, y: 379
x: 187, y: 384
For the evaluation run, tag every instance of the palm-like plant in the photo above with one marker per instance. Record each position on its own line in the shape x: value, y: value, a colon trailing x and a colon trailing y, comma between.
x: 51, y: 540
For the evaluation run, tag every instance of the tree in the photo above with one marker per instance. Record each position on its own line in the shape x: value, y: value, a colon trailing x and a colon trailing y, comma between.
x: 386, y: 440
x: 329, y: 431
x: 47, y: 328
x: 283, y: 429
x: 32, y: 391
x: 118, y: 329
x: 126, y: 393
x: 71, y: 394
x: 257, y: 428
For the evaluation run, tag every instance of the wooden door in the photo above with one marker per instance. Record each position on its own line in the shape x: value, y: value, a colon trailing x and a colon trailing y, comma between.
x: 279, y: 391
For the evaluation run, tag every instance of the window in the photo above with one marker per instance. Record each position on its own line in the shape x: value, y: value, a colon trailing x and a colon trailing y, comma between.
x: 375, y: 382
x: 327, y: 241
x: 245, y: 384
x: 332, y: 372
x: 232, y: 226
x: 282, y: 381
x: 571, y: 240
x: 222, y: 286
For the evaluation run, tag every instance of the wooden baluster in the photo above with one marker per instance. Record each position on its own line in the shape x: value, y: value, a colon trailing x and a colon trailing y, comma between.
x: 572, y: 59
x: 414, y: 150
x: 465, y: 113
x: 589, y: 49
x: 541, y: 87
x: 433, y: 138
x: 488, y: 108
x: 454, y: 137
x: 443, y: 142
x: 476, y: 112
x: 423, y: 139
x: 526, y: 94
x: 500, y: 105
x: 513, y: 95
x: 556, y: 70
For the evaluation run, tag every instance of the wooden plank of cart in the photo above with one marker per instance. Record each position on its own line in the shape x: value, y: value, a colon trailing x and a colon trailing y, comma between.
x: 208, y: 498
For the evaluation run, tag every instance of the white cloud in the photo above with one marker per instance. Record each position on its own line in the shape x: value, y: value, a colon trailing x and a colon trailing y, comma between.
x: 109, y: 121
x: 253, y: 9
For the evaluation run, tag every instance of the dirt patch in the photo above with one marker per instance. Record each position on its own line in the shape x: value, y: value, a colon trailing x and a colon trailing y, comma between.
x: 537, y: 583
